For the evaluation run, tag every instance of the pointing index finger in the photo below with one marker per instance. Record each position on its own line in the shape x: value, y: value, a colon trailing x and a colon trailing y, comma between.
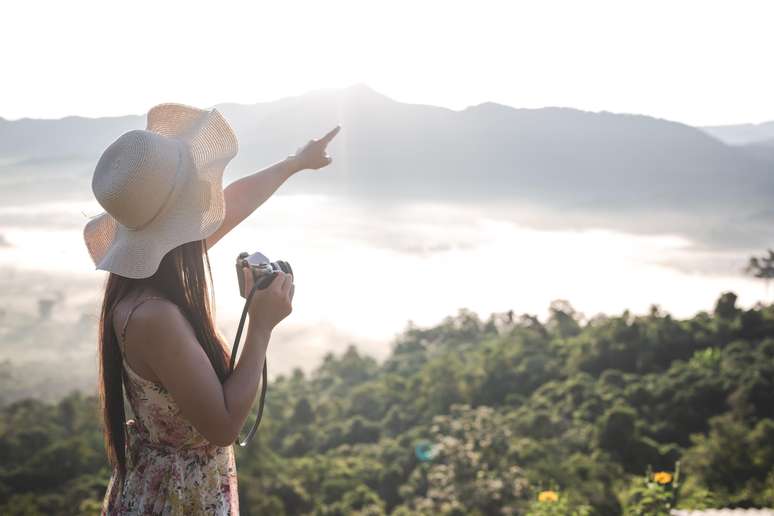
x: 329, y: 136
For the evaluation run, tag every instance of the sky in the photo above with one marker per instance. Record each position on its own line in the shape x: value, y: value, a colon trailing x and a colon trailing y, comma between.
x: 697, y: 62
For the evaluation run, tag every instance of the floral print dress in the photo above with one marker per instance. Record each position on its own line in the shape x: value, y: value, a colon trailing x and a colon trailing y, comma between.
x: 171, y: 468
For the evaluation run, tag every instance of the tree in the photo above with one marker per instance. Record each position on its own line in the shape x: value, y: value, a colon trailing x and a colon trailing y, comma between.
x: 725, y: 307
x: 762, y: 267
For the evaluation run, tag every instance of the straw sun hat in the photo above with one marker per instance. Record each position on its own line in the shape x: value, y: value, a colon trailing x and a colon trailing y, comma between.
x: 160, y: 187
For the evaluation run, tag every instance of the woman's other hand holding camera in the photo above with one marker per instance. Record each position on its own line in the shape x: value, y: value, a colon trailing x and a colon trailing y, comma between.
x: 271, y: 305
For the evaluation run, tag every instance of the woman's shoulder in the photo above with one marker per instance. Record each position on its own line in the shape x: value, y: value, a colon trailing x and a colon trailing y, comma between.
x: 138, y: 321
x: 152, y: 310
x: 146, y: 308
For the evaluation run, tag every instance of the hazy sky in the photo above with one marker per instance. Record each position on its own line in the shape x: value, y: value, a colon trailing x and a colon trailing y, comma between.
x: 699, y: 62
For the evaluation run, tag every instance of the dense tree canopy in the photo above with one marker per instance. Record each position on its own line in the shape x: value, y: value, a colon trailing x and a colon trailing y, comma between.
x: 508, y: 415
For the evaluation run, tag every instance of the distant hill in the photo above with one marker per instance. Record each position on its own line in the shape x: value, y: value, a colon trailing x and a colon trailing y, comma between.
x: 74, y: 136
x: 763, y: 149
x: 742, y: 134
x: 567, y: 161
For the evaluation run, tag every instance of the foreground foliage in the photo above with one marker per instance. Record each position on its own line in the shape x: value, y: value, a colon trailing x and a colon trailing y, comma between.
x: 511, y: 415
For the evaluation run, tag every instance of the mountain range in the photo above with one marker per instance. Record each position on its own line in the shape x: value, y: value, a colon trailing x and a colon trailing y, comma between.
x: 715, y: 184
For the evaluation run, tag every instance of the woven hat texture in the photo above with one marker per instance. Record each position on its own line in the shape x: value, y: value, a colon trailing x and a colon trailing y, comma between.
x: 161, y: 187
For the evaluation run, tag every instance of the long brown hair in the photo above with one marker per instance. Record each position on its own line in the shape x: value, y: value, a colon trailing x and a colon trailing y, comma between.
x: 181, y: 279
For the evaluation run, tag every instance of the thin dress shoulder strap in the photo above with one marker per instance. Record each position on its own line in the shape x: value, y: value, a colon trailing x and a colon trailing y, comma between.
x: 123, y: 330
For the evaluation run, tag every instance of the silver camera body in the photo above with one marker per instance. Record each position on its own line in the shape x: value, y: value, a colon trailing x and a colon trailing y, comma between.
x: 263, y: 270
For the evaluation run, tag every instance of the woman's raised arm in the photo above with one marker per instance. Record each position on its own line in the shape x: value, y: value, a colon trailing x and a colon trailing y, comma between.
x: 243, y: 196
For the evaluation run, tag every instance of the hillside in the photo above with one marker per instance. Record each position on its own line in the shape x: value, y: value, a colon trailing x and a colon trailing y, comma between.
x: 476, y: 417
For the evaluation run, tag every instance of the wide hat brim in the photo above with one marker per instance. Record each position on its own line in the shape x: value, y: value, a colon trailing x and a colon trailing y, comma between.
x: 195, y: 210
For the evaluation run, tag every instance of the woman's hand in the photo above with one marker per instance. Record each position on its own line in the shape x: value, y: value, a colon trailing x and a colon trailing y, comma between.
x: 272, y: 304
x: 313, y: 154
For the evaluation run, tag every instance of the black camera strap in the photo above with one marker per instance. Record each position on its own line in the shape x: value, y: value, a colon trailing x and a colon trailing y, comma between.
x: 264, y: 377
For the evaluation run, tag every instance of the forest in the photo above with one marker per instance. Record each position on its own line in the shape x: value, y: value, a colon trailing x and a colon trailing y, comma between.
x: 605, y: 415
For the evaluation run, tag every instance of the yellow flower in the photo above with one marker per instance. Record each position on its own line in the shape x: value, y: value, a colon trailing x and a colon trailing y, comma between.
x: 548, y: 496
x: 662, y: 477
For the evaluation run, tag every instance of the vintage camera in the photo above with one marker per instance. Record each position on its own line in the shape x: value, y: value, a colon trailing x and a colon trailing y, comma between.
x: 263, y: 269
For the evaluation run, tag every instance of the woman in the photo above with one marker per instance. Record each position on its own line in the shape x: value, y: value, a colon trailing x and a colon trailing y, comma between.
x: 165, y: 207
